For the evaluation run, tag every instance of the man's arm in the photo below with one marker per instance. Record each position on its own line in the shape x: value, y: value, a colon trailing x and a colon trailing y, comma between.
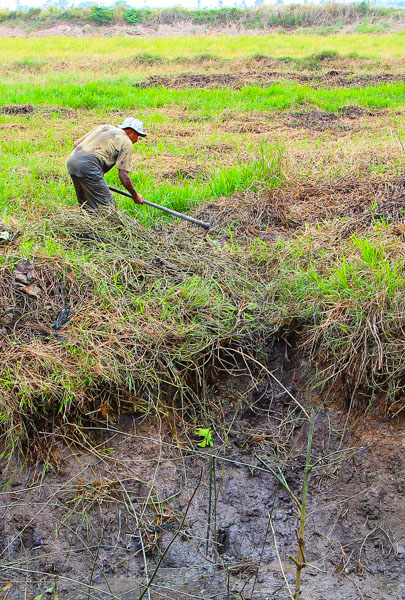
x: 128, y: 185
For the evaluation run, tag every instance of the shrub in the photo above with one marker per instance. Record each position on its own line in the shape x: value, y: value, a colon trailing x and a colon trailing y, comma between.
x: 101, y: 15
x: 363, y: 8
x: 32, y: 13
x: 133, y: 16
x: 14, y: 14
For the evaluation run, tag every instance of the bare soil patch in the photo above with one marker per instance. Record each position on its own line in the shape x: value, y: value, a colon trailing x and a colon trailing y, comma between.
x: 29, y: 109
x: 322, y: 121
x: 336, y: 79
x: 266, y: 79
x: 313, y: 119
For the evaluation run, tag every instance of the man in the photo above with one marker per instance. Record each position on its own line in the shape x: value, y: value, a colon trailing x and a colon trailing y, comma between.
x: 96, y: 153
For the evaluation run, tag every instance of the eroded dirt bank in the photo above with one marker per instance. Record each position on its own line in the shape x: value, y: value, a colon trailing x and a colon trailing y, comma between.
x: 73, y: 29
x: 88, y: 525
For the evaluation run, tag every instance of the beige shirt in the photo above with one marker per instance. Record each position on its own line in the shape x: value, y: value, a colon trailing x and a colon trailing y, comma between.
x: 110, y: 145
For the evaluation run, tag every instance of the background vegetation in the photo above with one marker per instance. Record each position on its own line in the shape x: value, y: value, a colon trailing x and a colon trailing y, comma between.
x: 329, y: 17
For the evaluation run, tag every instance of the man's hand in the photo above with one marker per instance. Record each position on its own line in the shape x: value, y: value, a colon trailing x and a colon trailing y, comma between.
x: 137, y: 198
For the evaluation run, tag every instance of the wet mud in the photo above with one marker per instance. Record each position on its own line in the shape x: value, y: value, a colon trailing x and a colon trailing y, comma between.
x: 97, y: 524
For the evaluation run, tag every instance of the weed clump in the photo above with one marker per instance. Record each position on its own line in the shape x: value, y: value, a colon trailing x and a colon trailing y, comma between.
x: 316, y: 60
x: 353, y: 300
x: 101, y: 15
x: 149, y: 59
x: 133, y: 16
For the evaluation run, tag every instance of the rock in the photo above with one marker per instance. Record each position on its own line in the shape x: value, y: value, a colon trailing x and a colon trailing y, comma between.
x: 7, y: 235
x: 24, y: 278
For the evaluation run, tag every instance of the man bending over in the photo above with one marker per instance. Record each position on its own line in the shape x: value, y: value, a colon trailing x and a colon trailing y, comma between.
x: 96, y: 153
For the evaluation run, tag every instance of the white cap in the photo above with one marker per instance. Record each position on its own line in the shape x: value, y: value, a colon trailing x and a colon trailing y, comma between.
x: 135, y: 124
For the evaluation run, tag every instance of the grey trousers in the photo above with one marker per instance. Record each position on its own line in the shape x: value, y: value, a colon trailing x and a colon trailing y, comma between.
x: 92, y: 195
x: 88, y: 180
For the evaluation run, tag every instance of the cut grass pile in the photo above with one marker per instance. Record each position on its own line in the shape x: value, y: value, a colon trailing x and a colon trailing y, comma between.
x: 154, y: 313
x: 158, y: 313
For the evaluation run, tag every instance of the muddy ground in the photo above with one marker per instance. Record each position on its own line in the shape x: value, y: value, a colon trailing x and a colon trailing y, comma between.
x: 147, y: 494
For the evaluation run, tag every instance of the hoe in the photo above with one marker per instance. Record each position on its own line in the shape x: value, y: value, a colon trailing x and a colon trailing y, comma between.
x: 166, y: 210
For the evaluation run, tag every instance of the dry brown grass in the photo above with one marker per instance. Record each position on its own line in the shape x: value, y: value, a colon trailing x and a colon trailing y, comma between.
x: 157, y: 313
x: 154, y: 315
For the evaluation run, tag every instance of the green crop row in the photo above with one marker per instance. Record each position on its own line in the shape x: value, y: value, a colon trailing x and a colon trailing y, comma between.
x: 118, y: 93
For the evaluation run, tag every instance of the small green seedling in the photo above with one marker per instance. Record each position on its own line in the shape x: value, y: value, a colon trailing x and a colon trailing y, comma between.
x: 206, y: 435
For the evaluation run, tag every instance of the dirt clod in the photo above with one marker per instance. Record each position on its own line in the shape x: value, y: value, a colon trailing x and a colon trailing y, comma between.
x: 313, y: 119
x: 17, y: 109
